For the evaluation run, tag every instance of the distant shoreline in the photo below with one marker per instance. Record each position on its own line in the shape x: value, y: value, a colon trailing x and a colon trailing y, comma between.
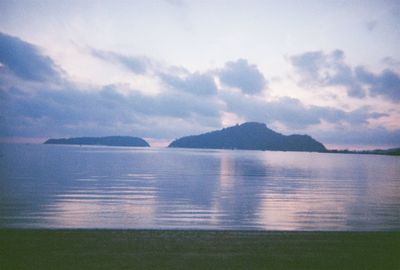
x: 387, y: 152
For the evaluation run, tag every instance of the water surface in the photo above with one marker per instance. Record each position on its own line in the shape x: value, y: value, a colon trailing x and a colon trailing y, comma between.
x: 56, y: 186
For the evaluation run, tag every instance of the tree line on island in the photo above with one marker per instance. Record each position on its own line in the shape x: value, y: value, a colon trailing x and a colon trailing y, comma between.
x: 107, y: 141
x: 247, y: 136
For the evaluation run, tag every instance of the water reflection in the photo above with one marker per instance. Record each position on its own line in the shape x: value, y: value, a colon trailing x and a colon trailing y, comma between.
x: 106, y: 187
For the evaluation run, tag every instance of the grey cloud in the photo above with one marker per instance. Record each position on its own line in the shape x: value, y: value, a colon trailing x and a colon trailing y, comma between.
x: 196, y: 83
x: 288, y: 111
x: 386, y: 84
x: 292, y: 112
x: 85, y: 112
x: 96, y: 112
x: 177, y: 3
x: 189, y: 104
x: 360, y: 136
x: 308, y: 65
x: 65, y: 109
x: 176, y: 78
x: 390, y: 61
x: 320, y: 69
x: 25, y: 60
x: 360, y: 116
x: 242, y: 75
x: 138, y: 65
x: 371, y: 25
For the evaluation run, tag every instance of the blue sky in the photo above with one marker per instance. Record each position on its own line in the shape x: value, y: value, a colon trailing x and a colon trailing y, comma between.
x: 165, y: 69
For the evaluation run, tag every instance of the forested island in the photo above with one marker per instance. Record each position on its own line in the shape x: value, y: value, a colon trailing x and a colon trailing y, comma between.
x: 250, y: 136
x: 107, y: 141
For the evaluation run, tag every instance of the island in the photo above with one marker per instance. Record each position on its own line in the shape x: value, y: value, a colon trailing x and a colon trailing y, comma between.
x: 250, y: 136
x: 107, y: 141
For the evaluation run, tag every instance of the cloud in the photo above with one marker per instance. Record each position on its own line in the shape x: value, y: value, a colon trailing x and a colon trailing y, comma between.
x: 25, y: 60
x: 292, y: 112
x: 64, y: 108
x: 371, y: 25
x: 71, y: 111
x: 105, y: 111
x: 196, y: 83
x: 308, y: 65
x: 320, y: 69
x: 376, y: 137
x: 390, y: 61
x: 175, y: 78
x: 177, y: 3
x: 240, y: 74
x: 185, y: 103
x: 386, y: 84
x: 138, y: 65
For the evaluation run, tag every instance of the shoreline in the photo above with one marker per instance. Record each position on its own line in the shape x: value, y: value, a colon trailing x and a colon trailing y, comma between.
x: 196, y: 249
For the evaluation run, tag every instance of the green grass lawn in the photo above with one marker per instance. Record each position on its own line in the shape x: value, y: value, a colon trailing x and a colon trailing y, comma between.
x: 160, y: 249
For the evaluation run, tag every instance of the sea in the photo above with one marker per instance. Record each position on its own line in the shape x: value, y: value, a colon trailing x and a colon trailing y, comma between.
x: 64, y: 186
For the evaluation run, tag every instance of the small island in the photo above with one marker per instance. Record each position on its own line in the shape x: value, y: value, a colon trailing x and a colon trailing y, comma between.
x: 107, y: 141
x: 250, y: 136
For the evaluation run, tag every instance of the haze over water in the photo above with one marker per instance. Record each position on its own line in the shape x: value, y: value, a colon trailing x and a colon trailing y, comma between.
x: 51, y: 186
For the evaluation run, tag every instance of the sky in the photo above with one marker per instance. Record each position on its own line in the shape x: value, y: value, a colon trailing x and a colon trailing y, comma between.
x: 165, y: 69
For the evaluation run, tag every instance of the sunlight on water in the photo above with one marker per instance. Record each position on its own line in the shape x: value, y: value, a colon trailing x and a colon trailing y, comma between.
x: 53, y: 186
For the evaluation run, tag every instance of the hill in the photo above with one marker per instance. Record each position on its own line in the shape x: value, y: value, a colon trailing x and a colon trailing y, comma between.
x: 108, y: 141
x: 250, y: 136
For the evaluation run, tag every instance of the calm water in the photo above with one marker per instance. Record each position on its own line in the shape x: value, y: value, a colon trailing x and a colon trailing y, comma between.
x: 109, y: 187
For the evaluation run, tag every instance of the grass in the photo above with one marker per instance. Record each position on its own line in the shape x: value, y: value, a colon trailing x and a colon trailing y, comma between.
x: 159, y: 249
